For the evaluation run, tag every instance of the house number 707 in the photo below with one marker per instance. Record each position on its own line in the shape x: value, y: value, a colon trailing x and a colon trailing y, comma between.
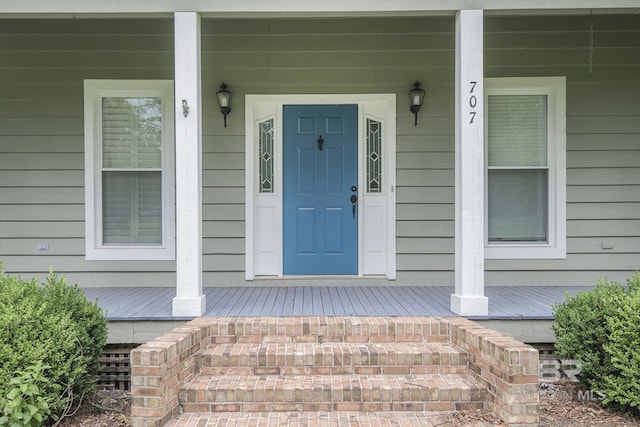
x: 473, y: 102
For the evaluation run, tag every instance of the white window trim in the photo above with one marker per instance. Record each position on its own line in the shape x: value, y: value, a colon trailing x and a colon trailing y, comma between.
x: 555, y: 89
x: 94, y: 90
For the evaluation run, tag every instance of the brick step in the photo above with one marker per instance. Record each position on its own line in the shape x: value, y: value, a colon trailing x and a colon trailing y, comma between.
x: 252, y: 393
x: 332, y: 358
x: 310, y: 419
x: 330, y: 371
x: 328, y: 329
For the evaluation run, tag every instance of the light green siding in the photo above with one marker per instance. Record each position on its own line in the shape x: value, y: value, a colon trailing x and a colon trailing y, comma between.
x: 339, y: 56
x: 44, y: 63
x: 603, y: 138
x: 382, y: 55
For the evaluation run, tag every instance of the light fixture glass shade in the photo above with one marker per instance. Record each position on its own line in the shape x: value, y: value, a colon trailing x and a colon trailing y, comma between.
x: 223, y: 99
x: 416, y: 95
x: 224, y: 96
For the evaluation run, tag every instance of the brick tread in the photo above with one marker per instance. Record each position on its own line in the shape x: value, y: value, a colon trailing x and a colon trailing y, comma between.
x: 331, y: 355
x: 335, y: 389
x: 309, y: 419
x: 401, y: 327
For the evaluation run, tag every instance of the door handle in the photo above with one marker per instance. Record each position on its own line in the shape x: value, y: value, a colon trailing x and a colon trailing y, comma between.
x: 354, y: 200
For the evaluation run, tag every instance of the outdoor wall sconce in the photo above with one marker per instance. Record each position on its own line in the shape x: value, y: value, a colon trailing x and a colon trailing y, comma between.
x: 416, y: 97
x: 224, y: 101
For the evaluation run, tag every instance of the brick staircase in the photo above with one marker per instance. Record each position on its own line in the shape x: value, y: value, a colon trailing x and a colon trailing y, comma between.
x: 330, y: 371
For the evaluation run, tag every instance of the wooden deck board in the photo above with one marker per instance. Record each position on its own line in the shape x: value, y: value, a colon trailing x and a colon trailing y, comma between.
x: 325, y: 301
x: 364, y: 298
x: 141, y: 303
x: 384, y: 303
x: 520, y: 302
x: 296, y: 301
x: 271, y: 302
x: 224, y: 304
x: 435, y: 299
x: 316, y: 301
x: 356, y: 304
x: 246, y: 302
x: 224, y: 298
x: 416, y: 305
x: 280, y: 301
x: 157, y: 305
x: 503, y: 303
x: 258, y: 303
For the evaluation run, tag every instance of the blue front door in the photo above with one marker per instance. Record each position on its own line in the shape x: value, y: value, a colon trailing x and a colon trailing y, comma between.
x: 320, y: 176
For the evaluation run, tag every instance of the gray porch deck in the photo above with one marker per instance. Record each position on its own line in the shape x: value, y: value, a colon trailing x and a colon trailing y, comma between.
x: 505, y: 303
x: 140, y: 314
x: 137, y: 315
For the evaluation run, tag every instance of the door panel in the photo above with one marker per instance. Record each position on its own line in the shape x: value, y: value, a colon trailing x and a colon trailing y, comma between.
x: 334, y: 230
x: 305, y: 223
x: 306, y: 170
x: 320, y: 229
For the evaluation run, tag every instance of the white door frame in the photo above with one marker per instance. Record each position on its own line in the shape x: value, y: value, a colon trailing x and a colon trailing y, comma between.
x: 263, y: 211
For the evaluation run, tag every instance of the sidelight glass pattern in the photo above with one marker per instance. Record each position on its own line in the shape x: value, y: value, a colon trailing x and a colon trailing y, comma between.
x: 265, y: 156
x: 374, y: 156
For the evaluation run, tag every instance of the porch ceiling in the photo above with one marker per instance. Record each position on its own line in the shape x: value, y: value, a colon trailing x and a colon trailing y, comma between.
x: 303, y: 8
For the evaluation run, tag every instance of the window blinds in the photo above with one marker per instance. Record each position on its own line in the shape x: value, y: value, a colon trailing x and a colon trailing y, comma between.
x: 518, y: 172
x: 131, y: 170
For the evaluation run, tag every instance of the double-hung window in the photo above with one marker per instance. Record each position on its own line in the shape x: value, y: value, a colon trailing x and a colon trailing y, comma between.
x: 525, y: 144
x: 129, y: 172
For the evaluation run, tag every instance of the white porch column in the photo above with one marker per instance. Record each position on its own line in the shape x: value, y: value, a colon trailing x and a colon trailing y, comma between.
x: 469, y: 298
x: 189, y: 300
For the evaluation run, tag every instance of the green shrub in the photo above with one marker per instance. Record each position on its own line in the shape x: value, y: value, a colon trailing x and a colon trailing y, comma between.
x: 582, y: 329
x: 601, y: 329
x: 50, y: 324
x: 622, y: 383
x: 22, y: 404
